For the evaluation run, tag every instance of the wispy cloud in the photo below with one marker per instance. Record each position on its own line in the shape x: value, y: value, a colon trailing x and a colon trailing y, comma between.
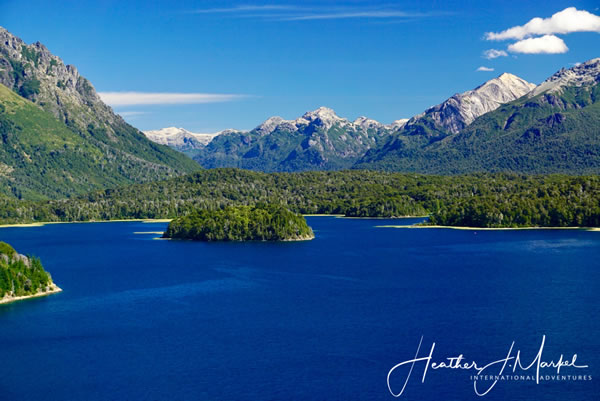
x: 485, y: 69
x: 243, y: 9
x: 547, y: 44
x: 566, y: 21
x: 298, y: 13
x: 155, y: 98
x: 493, y: 53
x: 359, y: 14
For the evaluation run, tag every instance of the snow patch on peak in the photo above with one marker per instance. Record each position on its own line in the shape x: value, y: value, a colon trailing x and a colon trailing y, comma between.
x: 321, y: 112
x: 584, y: 74
x: 271, y: 124
x: 367, y: 123
x: 396, y: 125
x: 179, y: 137
x: 323, y: 116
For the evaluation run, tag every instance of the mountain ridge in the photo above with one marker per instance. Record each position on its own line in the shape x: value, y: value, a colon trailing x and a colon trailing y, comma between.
x: 460, y: 110
x: 555, y: 129
x: 321, y: 140
x: 317, y: 140
x: 35, y: 74
x: 180, y: 139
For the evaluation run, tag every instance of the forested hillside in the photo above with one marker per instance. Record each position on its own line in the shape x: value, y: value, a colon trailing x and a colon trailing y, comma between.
x: 486, y: 200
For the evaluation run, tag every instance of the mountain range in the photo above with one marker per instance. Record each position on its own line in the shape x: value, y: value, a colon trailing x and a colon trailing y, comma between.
x: 59, y: 138
x: 505, y: 124
x: 554, y: 128
x: 319, y: 140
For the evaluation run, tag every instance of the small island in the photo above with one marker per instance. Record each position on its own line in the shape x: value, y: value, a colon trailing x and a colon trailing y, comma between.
x: 22, y: 277
x: 241, y: 223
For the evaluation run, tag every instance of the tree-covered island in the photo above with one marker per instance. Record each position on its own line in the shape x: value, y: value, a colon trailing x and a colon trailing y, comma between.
x: 241, y: 223
x: 22, y: 277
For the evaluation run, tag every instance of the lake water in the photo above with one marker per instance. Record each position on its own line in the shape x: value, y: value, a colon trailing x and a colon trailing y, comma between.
x: 147, y: 319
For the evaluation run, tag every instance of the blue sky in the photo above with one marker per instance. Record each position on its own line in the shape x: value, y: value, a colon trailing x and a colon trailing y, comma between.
x: 242, y: 62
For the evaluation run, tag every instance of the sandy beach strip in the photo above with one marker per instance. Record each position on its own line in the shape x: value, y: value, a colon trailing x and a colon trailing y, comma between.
x: 43, y: 223
x: 53, y: 290
x: 491, y: 228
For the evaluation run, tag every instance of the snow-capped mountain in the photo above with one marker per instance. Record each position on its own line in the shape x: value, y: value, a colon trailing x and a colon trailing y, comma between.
x: 554, y: 128
x: 179, y: 138
x: 317, y: 140
x: 462, y: 109
x: 324, y: 118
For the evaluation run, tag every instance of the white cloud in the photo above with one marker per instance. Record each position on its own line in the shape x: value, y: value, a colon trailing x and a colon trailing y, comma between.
x: 547, y: 44
x: 153, y: 98
x: 566, y: 21
x: 485, y: 69
x: 493, y: 53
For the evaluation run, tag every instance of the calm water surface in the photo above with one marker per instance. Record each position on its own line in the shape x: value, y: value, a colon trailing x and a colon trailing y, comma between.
x: 146, y: 319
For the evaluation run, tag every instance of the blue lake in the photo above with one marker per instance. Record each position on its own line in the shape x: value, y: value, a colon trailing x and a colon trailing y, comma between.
x: 147, y: 319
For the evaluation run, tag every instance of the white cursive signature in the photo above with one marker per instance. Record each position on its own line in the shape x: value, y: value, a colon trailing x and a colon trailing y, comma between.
x: 498, y: 366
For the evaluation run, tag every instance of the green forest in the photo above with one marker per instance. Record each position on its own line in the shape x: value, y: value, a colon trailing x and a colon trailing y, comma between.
x: 480, y: 200
x: 20, y: 275
x: 241, y: 223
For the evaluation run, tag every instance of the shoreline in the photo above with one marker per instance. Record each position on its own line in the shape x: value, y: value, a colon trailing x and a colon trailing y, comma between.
x: 298, y: 239
x: 342, y: 216
x: 491, y: 228
x: 54, y: 289
x: 322, y: 215
x: 304, y: 238
x: 339, y: 216
x: 43, y: 223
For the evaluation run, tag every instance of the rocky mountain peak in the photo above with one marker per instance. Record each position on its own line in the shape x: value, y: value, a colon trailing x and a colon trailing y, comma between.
x: 38, y: 75
x: 398, y: 124
x: 367, y: 123
x: 321, y: 112
x: 270, y: 125
x: 502, y: 89
x: 583, y: 74
x: 463, y: 108
x: 322, y: 116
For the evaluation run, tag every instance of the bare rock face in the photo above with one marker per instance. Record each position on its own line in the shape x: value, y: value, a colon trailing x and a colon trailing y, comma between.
x: 19, y: 257
x: 318, y: 140
x: 462, y: 109
x: 115, y: 153
x: 586, y: 74
x: 38, y: 75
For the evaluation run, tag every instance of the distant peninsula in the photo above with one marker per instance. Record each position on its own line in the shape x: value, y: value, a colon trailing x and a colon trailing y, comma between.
x: 22, y: 277
x: 241, y: 223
